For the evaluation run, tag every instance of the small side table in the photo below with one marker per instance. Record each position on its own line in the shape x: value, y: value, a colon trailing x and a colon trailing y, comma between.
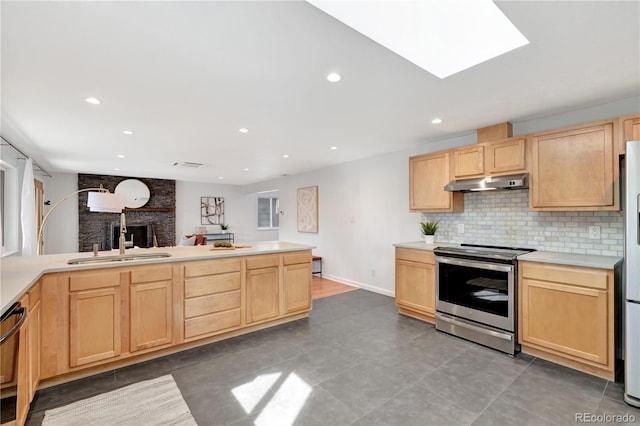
x: 315, y: 259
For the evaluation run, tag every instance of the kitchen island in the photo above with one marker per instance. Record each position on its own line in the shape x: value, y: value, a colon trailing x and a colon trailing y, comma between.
x: 92, y: 317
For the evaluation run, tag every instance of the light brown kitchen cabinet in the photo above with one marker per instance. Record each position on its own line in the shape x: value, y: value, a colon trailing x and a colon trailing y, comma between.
x: 212, y: 297
x: 415, y: 283
x: 35, y: 327
x: 95, y: 301
x: 428, y: 174
x: 150, y: 307
x: 468, y: 162
x: 628, y: 130
x: 263, y: 288
x: 505, y: 157
x: 297, y: 282
x: 566, y: 316
x: 573, y: 169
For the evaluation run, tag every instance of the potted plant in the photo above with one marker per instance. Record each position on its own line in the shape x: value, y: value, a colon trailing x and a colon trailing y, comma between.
x: 224, y: 227
x: 429, y: 229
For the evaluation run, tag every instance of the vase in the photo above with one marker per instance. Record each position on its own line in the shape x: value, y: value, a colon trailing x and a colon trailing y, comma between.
x: 429, y: 239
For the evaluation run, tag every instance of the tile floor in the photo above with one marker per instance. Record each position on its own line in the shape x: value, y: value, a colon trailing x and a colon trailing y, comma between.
x: 356, y: 361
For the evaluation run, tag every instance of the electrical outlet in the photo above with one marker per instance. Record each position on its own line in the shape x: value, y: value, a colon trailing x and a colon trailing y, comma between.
x: 461, y: 228
x: 594, y: 232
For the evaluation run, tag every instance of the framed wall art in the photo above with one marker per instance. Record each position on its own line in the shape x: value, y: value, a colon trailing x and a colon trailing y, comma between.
x: 308, y: 209
x: 211, y: 210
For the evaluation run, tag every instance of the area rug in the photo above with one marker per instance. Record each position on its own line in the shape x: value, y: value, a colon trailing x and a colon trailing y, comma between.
x: 152, y: 402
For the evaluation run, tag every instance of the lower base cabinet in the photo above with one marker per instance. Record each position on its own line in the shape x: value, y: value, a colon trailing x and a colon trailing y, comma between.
x: 566, y: 316
x: 91, y: 319
x: 415, y: 283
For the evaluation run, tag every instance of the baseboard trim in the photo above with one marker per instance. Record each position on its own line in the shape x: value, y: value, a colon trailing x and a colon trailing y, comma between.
x: 358, y: 284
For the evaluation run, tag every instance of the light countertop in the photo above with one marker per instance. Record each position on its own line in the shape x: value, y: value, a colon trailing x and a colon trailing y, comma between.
x: 20, y: 272
x: 572, y: 259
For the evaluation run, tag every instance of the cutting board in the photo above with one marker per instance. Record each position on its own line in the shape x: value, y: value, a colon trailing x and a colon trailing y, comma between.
x: 222, y: 248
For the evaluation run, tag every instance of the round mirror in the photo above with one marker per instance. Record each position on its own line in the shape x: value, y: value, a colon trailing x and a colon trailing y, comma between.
x: 136, y: 193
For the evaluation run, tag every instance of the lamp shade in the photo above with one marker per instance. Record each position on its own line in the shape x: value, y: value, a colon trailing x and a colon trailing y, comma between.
x: 105, y: 202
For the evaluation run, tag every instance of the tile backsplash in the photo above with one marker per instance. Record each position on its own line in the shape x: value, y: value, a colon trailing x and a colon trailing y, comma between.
x: 503, y: 218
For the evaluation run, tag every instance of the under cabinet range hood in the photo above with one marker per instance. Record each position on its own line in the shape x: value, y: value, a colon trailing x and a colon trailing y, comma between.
x: 487, y: 183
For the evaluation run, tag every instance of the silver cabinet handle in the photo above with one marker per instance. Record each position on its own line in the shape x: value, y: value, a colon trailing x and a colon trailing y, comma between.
x: 16, y: 309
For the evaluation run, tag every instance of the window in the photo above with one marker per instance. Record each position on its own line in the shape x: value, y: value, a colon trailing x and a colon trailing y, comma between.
x: 268, y: 212
x: 9, y: 208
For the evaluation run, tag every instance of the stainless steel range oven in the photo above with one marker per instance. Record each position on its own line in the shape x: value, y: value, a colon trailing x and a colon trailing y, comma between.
x: 476, y: 294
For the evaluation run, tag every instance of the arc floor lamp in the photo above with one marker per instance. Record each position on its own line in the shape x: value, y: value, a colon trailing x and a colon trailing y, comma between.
x: 99, y: 200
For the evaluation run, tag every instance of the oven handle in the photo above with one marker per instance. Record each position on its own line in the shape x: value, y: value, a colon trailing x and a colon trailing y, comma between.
x: 16, y: 309
x: 475, y: 264
x: 452, y: 320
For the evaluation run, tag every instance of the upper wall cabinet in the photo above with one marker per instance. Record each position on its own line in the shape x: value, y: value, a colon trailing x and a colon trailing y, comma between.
x: 574, y: 169
x: 428, y: 174
x: 628, y: 130
x: 468, y: 162
x: 506, y: 156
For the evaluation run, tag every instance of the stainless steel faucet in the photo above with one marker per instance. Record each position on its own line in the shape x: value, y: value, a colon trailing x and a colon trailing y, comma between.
x: 123, y: 230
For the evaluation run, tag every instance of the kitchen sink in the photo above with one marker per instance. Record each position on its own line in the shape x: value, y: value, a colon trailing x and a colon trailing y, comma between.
x: 118, y: 258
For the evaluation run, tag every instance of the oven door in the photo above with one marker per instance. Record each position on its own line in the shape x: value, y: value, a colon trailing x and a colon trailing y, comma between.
x: 479, y: 291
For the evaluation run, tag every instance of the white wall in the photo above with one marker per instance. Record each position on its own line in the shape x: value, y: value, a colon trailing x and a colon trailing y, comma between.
x: 240, y: 210
x: 61, y: 230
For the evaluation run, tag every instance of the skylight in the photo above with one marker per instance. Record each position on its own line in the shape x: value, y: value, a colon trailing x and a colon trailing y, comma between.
x: 443, y: 37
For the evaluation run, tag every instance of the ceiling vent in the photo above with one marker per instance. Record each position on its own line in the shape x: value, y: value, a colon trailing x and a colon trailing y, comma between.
x: 188, y: 164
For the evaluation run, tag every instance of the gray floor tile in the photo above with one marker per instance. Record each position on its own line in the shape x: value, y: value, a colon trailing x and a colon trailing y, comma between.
x: 368, y: 385
x: 618, y: 412
x: 567, y: 376
x: 553, y: 400
x: 500, y: 412
x: 615, y: 391
x: 419, y: 407
x: 295, y: 405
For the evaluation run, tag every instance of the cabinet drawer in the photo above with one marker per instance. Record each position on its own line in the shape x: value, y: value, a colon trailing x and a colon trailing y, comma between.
x: 259, y: 262
x: 210, y: 284
x: 574, y: 275
x: 423, y: 256
x: 211, y: 303
x: 208, y: 267
x: 145, y: 274
x: 87, y: 280
x: 299, y: 257
x: 211, y: 323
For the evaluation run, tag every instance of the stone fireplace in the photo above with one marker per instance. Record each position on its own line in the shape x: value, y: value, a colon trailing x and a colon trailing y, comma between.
x: 157, y: 217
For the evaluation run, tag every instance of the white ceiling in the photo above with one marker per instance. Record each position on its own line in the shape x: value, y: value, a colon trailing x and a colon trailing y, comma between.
x: 185, y: 76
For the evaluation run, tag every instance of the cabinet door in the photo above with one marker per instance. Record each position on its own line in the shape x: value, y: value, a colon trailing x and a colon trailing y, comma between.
x: 630, y: 131
x: 573, y: 169
x: 94, y: 325
x: 468, y: 162
x: 428, y: 174
x: 150, y: 315
x: 505, y: 156
x: 35, y: 325
x: 415, y: 286
x: 297, y: 287
x: 568, y: 319
x: 23, y: 395
x: 262, y: 294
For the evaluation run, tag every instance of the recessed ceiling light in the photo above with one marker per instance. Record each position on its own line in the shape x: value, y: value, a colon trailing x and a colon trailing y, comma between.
x: 120, y: 156
x: 334, y: 77
x: 128, y: 132
x: 334, y: 148
x: 94, y: 101
x: 244, y: 130
x: 117, y: 169
x: 436, y: 121
x: 285, y: 156
x: 434, y: 35
x: 245, y: 169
